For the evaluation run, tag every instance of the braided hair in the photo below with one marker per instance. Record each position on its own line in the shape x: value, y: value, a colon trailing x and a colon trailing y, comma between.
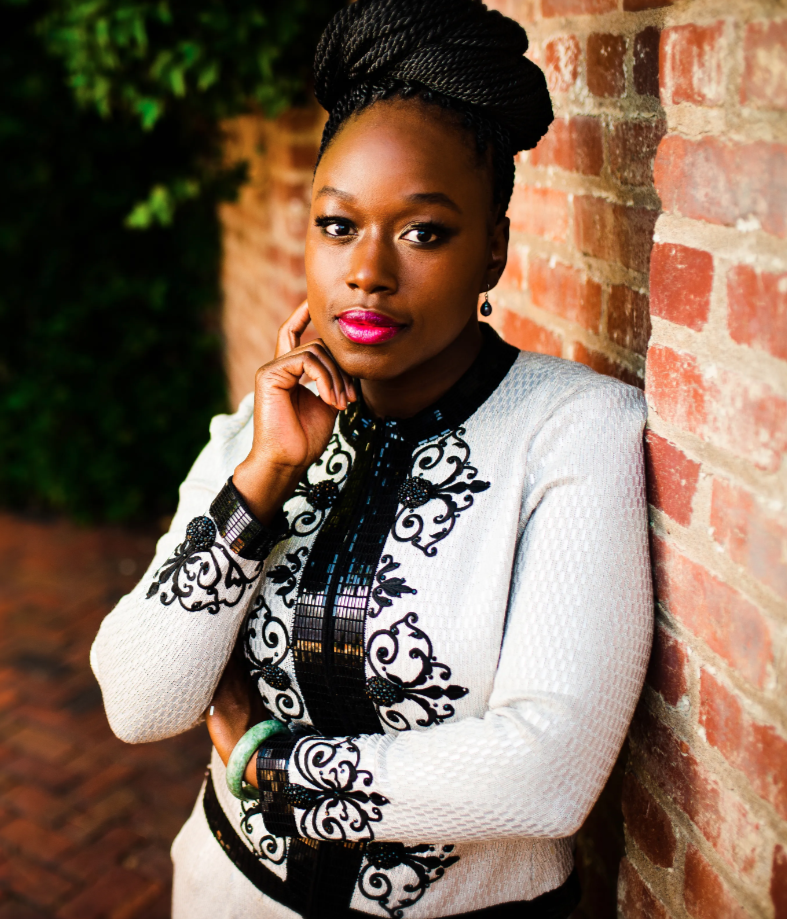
x: 453, y: 53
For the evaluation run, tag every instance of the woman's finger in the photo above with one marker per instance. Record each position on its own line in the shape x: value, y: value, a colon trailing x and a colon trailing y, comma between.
x: 337, y: 374
x: 290, y: 332
x: 307, y: 362
x: 319, y: 371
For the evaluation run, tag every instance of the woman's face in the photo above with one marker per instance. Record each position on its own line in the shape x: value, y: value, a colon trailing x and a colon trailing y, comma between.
x: 402, y: 239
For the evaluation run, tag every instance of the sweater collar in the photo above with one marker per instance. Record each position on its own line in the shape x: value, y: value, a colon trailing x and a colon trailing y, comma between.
x: 452, y: 409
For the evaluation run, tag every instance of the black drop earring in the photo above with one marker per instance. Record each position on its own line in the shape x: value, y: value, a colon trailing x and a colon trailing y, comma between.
x: 486, y: 306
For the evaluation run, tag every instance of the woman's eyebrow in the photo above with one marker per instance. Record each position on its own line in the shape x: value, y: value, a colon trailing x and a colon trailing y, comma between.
x: 435, y: 197
x: 336, y: 192
x: 422, y: 197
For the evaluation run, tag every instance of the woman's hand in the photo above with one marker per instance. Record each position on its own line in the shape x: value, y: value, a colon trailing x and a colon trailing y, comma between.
x: 235, y: 708
x: 292, y: 426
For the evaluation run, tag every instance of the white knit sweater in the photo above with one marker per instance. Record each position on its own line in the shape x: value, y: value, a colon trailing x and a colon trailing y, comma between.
x: 467, y: 696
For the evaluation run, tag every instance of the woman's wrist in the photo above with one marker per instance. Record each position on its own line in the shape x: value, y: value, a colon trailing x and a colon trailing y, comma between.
x: 265, y: 487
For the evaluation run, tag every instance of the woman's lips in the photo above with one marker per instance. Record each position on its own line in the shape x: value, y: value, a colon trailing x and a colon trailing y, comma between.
x: 365, y: 327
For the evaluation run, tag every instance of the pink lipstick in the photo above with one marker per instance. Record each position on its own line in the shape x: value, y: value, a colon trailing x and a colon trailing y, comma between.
x: 365, y: 327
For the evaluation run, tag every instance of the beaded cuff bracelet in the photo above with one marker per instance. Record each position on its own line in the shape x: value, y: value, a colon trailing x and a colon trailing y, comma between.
x: 247, y: 537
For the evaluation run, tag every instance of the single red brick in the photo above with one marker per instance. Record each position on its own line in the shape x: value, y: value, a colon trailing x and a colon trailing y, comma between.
x: 667, y: 667
x: 561, y: 63
x: 118, y: 894
x: 757, y: 309
x: 754, y: 748
x: 765, y: 69
x: 525, y: 334
x: 681, y: 280
x: 732, y: 411
x: 602, y: 363
x: 31, y: 839
x: 705, y: 894
x: 628, y: 318
x: 779, y: 883
x: 38, y: 885
x: 672, y: 478
x: 646, y: 61
x: 729, y: 624
x: 606, y: 55
x: 37, y: 803
x: 635, y: 900
x: 723, y: 183
x: 752, y: 537
x: 576, y: 7
x: 18, y: 911
x: 632, y: 150
x: 98, y: 857
x: 513, y: 278
x: 614, y: 232
x: 573, y: 144
x: 42, y: 743
x: 722, y: 818
x: 692, y: 64
x: 566, y: 292
x: 648, y: 823
x: 540, y: 211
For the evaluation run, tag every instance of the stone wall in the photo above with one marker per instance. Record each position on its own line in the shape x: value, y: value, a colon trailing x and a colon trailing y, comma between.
x: 650, y: 242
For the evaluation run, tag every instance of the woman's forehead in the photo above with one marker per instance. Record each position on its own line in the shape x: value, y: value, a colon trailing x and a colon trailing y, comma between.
x: 403, y: 148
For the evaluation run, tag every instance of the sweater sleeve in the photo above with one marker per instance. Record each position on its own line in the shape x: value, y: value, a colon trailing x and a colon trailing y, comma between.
x: 571, y: 668
x: 160, y: 653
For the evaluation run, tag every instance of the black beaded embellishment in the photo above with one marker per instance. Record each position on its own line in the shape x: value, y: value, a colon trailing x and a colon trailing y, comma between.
x: 201, y: 533
x: 276, y: 677
x: 383, y: 692
x: 385, y: 855
x: 300, y: 796
x: 415, y: 491
x: 322, y: 495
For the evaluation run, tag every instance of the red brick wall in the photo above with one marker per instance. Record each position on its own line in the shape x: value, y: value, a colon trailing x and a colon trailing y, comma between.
x: 649, y: 241
x: 263, y: 275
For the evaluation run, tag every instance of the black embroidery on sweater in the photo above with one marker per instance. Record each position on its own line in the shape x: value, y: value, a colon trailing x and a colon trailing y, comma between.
x: 276, y: 689
x: 287, y: 575
x: 406, y: 669
x: 455, y: 490
x: 396, y: 876
x: 268, y: 847
x: 337, y: 806
x: 388, y: 589
x: 321, y: 876
x: 200, y: 574
x: 322, y: 495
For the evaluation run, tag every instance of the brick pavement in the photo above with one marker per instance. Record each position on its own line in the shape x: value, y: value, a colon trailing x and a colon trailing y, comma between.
x: 85, y: 821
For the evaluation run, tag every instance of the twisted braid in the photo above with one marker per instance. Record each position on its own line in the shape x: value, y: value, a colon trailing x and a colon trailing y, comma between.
x: 453, y: 53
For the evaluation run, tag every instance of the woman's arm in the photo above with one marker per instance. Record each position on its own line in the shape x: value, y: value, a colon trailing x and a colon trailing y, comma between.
x: 571, y: 668
x: 160, y: 653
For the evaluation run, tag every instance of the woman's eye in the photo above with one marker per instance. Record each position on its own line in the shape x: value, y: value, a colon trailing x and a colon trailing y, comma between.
x: 336, y: 228
x: 423, y: 235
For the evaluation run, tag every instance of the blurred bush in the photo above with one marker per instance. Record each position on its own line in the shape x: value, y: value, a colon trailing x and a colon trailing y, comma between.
x: 109, y: 243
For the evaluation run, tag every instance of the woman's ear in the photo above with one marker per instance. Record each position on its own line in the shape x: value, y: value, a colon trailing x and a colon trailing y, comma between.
x: 498, y: 251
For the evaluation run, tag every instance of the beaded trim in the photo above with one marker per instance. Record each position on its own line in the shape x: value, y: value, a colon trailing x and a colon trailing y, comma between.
x: 248, y: 538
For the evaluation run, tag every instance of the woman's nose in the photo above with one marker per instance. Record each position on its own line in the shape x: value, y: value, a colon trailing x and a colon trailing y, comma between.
x: 372, y: 266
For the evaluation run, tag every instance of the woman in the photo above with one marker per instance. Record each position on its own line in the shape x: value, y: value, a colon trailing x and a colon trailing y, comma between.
x: 428, y: 572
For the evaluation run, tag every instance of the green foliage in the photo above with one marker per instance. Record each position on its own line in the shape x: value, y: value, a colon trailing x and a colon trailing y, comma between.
x: 222, y: 54
x: 109, y: 353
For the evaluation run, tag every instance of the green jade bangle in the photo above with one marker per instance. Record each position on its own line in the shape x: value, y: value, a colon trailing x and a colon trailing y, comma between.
x: 245, y: 748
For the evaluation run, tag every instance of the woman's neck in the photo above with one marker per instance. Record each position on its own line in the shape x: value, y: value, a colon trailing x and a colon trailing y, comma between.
x: 408, y: 394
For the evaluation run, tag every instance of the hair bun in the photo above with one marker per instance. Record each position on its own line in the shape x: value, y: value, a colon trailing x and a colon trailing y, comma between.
x: 457, y: 47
